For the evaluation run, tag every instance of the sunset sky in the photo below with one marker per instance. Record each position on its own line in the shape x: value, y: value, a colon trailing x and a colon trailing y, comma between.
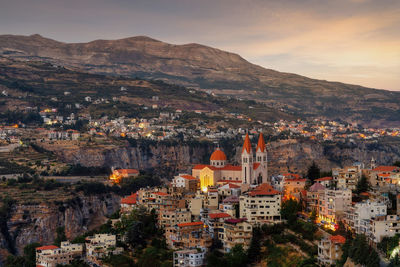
x: 352, y: 41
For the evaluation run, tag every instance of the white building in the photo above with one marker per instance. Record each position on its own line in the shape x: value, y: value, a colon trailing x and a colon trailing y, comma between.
x: 384, y: 226
x: 261, y: 205
x: 189, y: 258
x: 359, y: 216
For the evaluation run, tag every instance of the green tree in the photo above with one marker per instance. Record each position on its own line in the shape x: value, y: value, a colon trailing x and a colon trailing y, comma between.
x: 397, y: 163
x: 313, y: 172
x: 289, y: 210
x: 254, y: 251
x: 362, y: 185
x: 236, y: 257
x: 60, y: 231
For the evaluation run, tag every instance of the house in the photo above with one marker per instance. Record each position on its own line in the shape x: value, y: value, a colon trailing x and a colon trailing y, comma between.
x: 185, y: 182
x: 119, y: 174
x: 230, y: 205
x: 292, y: 188
x: 325, y: 181
x: 101, y: 245
x: 329, y: 249
x: 189, y: 258
x: 52, y: 256
x: 128, y: 203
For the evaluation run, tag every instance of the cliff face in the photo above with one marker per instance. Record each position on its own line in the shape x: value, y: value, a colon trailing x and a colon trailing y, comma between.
x: 161, y: 157
x: 38, y: 223
x: 283, y: 156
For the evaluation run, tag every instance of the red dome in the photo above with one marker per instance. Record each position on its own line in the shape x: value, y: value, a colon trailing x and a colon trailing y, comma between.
x: 218, y: 155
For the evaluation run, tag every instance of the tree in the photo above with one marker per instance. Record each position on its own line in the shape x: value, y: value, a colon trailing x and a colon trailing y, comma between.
x: 60, y: 236
x: 313, y: 172
x: 362, y: 185
x: 313, y: 216
x: 253, y: 253
x: 397, y: 163
x: 289, y: 210
x: 135, y: 235
x: 237, y: 257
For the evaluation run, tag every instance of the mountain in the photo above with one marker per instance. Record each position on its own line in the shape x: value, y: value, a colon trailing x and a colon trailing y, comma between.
x: 205, y: 68
x: 27, y: 85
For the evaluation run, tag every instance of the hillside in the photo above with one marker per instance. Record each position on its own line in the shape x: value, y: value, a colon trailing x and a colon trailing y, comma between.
x: 207, y: 68
x: 42, y: 85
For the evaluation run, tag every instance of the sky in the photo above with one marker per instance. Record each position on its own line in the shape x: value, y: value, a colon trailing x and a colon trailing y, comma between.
x: 351, y: 41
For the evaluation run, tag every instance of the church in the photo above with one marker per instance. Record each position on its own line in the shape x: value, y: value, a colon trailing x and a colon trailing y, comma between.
x: 253, y: 170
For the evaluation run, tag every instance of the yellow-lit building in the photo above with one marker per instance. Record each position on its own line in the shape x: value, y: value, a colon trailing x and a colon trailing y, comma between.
x: 253, y: 170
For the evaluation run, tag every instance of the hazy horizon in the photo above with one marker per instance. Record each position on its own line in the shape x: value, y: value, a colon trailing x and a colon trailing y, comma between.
x: 349, y: 41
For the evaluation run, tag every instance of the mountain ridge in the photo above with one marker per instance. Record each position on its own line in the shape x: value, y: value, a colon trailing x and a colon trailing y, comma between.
x: 206, y: 68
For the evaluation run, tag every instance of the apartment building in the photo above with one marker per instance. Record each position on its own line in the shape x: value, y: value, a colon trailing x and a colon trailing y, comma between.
x: 237, y: 232
x: 261, y: 205
x: 347, y: 177
x: 359, y: 215
x: 188, y: 236
x: 172, y: 216
x: 382, y: 226
x: 333, y: 204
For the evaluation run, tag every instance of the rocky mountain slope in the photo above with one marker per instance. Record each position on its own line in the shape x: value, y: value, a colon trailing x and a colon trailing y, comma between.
x: 43, y: 85
x: 284, y: 155
x: 204, y: 67
x: 38, y: 222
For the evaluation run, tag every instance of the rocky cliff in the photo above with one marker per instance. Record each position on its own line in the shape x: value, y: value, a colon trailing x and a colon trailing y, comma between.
x: 39, y: 222
x: 284, y: 155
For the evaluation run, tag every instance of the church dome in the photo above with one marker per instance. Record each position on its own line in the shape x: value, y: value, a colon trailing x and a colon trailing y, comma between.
x: 218, y: 154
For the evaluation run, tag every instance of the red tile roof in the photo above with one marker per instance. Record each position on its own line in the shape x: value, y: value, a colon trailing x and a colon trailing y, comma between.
x: 338, y: 239
x: 385, y: 168
x: 294, y: 175
x: 130, y: 200
x: 246, y: 144
x: 235, y: 221
x: 232, y: 168
x: 264, y: 190
x: 47, y: 247
x: 188, y: 177
x: 231, y: 199
x: 323, y: 179
x: 219, y: 215
x: 233, y: 186
x: 190, y: 224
